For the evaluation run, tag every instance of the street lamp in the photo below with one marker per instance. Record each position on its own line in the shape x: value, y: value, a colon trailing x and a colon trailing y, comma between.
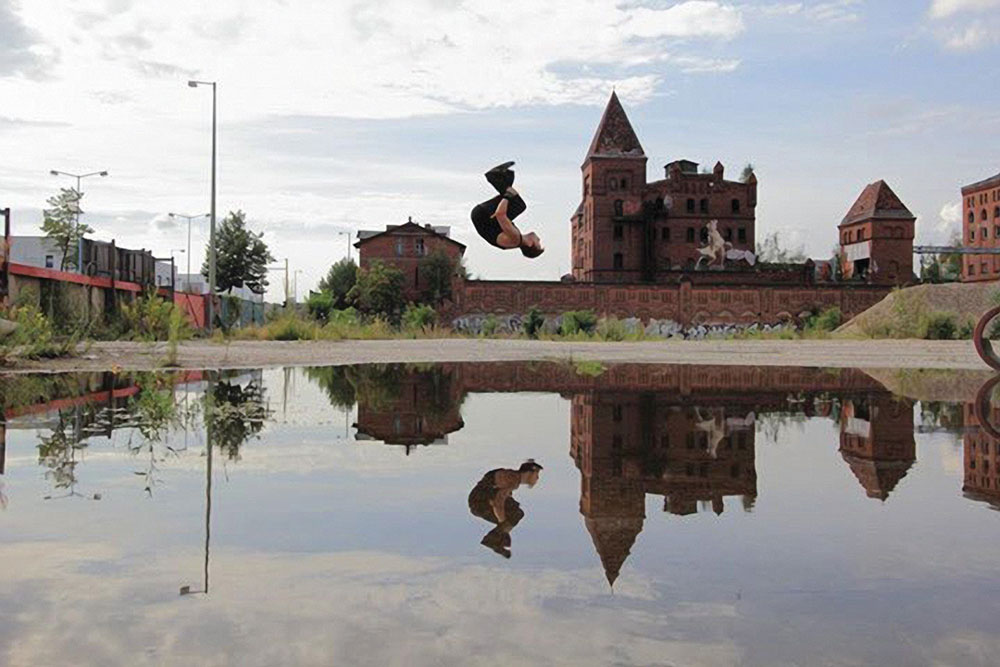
x: 211, y: 231
x: 295, y: 285
x: 79, y: 195
x: 189, y: 218
x: 348, y: 235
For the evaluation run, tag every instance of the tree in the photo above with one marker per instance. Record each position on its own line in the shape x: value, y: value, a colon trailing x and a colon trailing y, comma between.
x: 379, y: 291
x: 438, y: 272
x: 59, y: 222
x: 241, y: 256
x: 944, y: 267
x: 338, y: 282
x: 747, y: 172
x: 771, y: 251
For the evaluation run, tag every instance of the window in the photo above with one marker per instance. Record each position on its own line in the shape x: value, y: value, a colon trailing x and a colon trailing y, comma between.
x: 736, y: 205
x: 742, y: 234
x: 619, y: 261
x: 399, y: 248
x: 421, y: 250
x: 703, y: 205
x: 704, y: 235
x: 996, y: 212
x: 861, y: 234
x: 586, y: 186
x: 996, y: 231
x: 613, y: 184
x: 690, y: 235
x: 616, y: 413
x: 619, y: 232
x: 729, y: 233
x: 972, y: 269
x: 972, y: 234
x: 984, y: 268
x: 624, y: 184
x: 664, y: 233
x: 972, y: 217
x: 619, y: 207
x: 690, y: 206
x: 982, y: 216
x: 50, y: 261
x: 984, y: 233
x: 416, y: 276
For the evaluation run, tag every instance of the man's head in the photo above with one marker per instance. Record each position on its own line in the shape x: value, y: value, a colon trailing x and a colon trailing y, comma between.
x: 531, y: 245
x: 529, y: 472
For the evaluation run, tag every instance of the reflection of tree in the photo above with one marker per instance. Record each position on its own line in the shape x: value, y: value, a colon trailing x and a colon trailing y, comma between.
x: 57, y: 452
x: 941, y: 415
x: 235, y: 415
x: 379, y: 386
x: 335, y: 382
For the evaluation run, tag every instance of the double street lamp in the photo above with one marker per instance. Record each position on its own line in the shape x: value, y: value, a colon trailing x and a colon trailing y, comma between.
x: 79, y: 195
x: 211, y: 230
x: 189, y: 218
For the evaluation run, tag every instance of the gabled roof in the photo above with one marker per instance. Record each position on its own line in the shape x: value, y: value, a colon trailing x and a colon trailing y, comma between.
x: 440, y: 232
x: 877, y: 201
x: 990, y: 182
x: 615, y: 136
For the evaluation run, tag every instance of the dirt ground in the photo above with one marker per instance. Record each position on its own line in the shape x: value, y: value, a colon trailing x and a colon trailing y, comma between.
x: 887, y: 354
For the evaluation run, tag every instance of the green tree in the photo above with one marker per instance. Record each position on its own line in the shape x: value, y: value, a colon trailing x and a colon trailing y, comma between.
x: 943, y: 267
x: 241, y: 256
x: 747, y: 172
x: 438, y: 272
x: 379, y: 291
x: 59, y: 222
x: 338, y: 282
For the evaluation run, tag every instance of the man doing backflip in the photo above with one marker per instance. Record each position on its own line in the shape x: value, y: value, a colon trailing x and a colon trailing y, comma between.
x: 494, y: 217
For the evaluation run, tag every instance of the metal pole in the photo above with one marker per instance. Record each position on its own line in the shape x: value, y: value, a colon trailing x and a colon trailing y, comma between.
x: 79, y: 240
x: 211, y: 232
x: 188, y: 288
x: 287, y: 285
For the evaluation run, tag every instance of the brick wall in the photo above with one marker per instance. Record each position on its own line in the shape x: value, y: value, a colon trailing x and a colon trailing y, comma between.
x: 685, y: 303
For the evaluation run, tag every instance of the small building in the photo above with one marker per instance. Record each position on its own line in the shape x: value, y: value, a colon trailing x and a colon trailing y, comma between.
x: 981, y: 228
x: 404, y: 247
x: 876, y: 237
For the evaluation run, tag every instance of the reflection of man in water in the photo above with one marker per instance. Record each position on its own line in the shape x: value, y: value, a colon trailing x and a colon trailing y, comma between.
x: 491, y: 499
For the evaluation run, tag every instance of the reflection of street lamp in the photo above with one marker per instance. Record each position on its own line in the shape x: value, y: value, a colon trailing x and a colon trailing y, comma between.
x: 79, y: 195
x: 211, y: 229
x: 189, y: 218
x: 209, y: 406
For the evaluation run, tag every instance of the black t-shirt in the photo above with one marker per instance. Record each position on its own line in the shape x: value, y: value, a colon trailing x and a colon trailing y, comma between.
x: 487, y: 225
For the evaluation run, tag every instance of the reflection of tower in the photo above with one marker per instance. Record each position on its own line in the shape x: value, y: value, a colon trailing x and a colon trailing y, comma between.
x: 402, y: 406
x: 628, y: 444
x: 876, y: 441
x: 982, y: 458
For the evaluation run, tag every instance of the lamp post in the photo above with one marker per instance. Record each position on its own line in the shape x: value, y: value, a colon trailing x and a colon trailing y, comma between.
x: 211, y: 229
x: 295, y: 285
x: 348, y: 235
x: 79, y: 195
x: 189, y: 218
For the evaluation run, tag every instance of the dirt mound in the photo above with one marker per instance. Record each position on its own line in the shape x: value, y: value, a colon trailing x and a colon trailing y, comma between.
x: 897, y: 315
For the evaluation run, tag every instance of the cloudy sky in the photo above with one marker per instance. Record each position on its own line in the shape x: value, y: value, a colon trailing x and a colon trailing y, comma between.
x: 336, y: 115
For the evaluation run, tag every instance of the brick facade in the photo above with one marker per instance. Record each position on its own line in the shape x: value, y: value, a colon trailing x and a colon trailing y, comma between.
x: 405, y: 247
x: 981, y: 229
x: 876, y: 238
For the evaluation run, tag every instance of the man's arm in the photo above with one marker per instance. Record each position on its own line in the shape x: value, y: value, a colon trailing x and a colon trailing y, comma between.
x: 512, y: 232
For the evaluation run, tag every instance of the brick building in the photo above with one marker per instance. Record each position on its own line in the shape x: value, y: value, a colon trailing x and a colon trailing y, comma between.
x: 876, y: 441
x: 981, y: 228
x: 628, y: 230
x: 405, y: 247
x: 876, y: 238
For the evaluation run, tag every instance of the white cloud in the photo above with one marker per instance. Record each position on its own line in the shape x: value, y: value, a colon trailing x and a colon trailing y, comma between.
x: 969, y: 38
x: 945, y: 8
x: 834, y: 11
x: 950, y: 218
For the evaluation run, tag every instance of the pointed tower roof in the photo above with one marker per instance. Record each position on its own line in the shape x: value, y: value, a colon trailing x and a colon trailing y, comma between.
x: 615, y: 136
x: 613, y: 539
x: 877, y: 201
x: 879, y: 478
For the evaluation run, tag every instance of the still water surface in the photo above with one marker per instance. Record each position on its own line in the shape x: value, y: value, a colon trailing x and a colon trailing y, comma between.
x: 376, y: 515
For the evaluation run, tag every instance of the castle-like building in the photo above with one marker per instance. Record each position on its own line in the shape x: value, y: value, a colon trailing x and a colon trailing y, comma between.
x: 628, y: 230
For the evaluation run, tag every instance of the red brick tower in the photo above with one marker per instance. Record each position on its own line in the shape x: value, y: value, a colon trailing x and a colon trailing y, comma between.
x: 876, y: 238
x: 614, y: 179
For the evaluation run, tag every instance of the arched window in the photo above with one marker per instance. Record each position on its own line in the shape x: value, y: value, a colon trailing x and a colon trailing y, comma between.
x: 972, y: 217
x: 736, y: 205
x: 982, y: 216
x: 996, y: 212
x: 619, y: 207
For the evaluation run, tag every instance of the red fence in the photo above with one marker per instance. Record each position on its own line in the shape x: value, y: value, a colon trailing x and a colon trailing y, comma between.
x: 193, y: 305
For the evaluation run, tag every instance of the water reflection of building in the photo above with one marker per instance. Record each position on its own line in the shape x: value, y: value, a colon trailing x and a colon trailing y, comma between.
x: 981, y: 480
x: 876, y: 441
x: 409, y: 407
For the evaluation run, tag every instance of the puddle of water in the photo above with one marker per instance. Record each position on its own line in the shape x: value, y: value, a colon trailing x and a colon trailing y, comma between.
x: 495, y: 514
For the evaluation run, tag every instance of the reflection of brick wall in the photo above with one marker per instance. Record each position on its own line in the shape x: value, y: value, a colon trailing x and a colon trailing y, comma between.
x: 876, y: 441
x: 982, y: 459
x: 424, y: 407
x: 685, y: 302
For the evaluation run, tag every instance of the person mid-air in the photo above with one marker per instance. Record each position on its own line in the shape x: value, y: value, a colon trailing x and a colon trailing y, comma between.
x: 494, y: 217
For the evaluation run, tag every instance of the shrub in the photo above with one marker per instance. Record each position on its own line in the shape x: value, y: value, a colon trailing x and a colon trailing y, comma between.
x: 533, y: 322
x: 291, y: 328
x: 611, y: 328
x: 319, y: 305
x: 490, y: 325
x: 827, y: 320
x: 150, y: 318
x: 417, y: 318
x: 577, y: 321
x: 965, y: 330
x: 940, y: 326
x: 34, y: 337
